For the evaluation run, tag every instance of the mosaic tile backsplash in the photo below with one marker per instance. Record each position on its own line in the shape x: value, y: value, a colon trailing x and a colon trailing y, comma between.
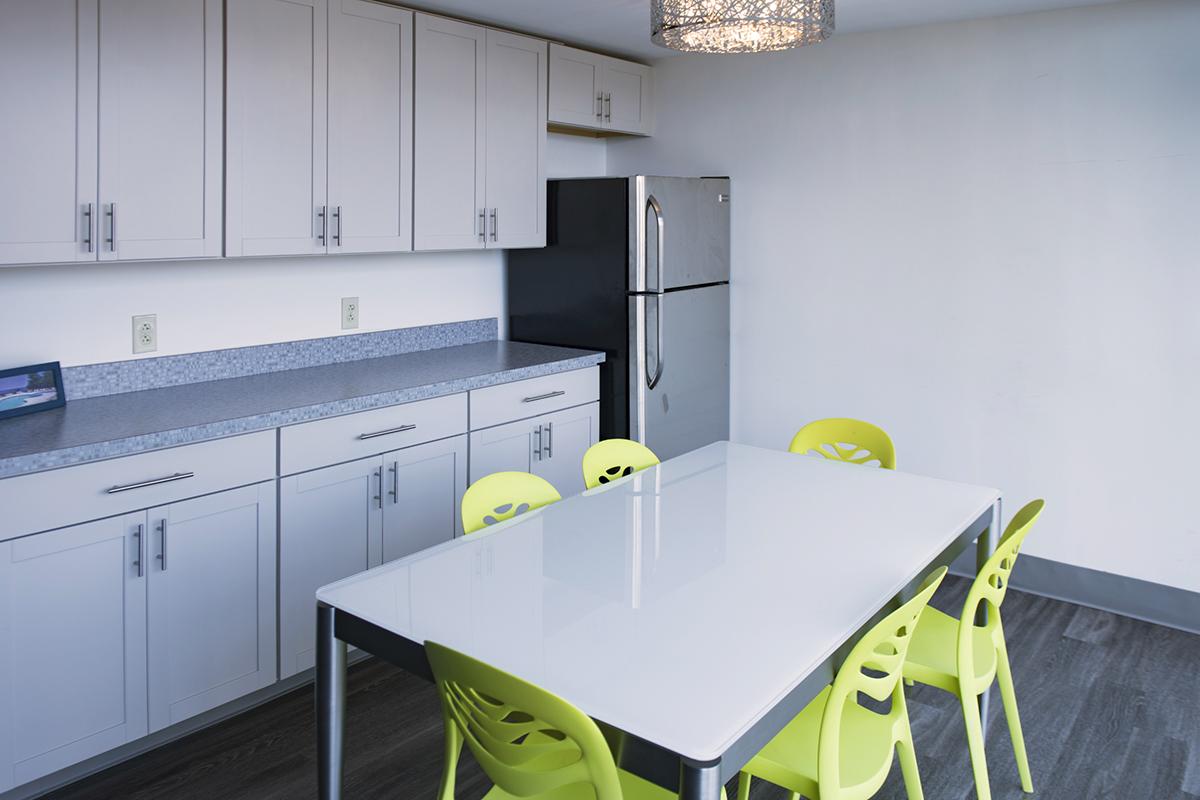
x: 116, y: 377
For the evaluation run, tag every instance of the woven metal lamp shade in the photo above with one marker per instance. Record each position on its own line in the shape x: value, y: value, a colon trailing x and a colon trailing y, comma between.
x: 739, y: 26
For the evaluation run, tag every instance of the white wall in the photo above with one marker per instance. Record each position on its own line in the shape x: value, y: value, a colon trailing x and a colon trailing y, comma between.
x: 984, y: 237
x: 80, y: 314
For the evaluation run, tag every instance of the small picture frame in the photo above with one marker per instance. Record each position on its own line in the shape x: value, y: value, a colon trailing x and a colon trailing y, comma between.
x: 25, y: 390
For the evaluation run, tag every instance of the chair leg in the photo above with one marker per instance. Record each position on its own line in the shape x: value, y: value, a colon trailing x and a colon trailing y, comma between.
x: 908, y: 768
x: 743, y: 786
x: 970, y: 707
x: 1009, y: 696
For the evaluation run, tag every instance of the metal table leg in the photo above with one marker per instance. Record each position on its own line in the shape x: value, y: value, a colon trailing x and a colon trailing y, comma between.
x: 699, y: 780
x: 331, y: 704
x: 983, y: 551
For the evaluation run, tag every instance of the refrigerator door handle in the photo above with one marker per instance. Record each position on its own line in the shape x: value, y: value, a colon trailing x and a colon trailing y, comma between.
x: 652, y: 204
x: 652, y: 380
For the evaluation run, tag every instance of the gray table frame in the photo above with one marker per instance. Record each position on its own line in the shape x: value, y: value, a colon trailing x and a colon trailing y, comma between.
x: 693, y: 780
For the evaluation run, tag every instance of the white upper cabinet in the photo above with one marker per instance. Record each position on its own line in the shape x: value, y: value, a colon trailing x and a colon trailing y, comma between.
x: 161, y: 65
x: 516, y: 141
x: 370, y: 127
x: 448, y: 169
x: 275, y: 170
x: 480, y: 137
x: 628, y: 97
x: 112, y: 144
x: 596, y: 92
x: 576, y: 87
x: 48, y: 57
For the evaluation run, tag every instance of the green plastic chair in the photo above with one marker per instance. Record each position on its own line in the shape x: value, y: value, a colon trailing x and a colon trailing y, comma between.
x: 843, y: 439
x: 836, y: 749
x: 963, y: 658
x: 615, y: 458
x: 503, y: 495
x: 531, y: 743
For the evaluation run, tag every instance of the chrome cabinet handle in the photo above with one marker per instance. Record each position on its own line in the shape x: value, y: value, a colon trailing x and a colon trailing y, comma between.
x: 549, y: 440
x: 483, y: 224
x: 388, y: 432
x: 137, y: 536
x: 537, y: 451
x: 162, y: 545
x: 111, y: 241
x: 395, y: 490
x: 324, y: 224
x: 600, y: 106
x: 546, y: 396
x: 178, y: 476
x: 608, y: 107
x: 493, y: 224
x: 337, y: 230
x: 87, y: 231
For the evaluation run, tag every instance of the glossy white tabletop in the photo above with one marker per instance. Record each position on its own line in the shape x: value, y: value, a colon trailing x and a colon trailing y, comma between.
x: 682, y: 603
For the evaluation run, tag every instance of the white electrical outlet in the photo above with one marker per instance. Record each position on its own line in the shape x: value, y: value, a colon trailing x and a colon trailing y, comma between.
x: 349, y: 313
x: 145, y: 333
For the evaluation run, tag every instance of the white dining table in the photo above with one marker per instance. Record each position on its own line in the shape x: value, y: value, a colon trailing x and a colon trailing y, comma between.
x: 691, y: 609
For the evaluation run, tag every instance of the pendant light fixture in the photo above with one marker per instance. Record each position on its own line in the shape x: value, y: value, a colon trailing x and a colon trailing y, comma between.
x: 739, y: 26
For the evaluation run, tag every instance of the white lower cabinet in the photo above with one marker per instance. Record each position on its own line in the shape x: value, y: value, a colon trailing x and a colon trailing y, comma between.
x: 72, y: 646
x: 330, y: 527
x: 422, y: 506
x: 343, y: 519
x: 211, y: 601
x: 550, y: 446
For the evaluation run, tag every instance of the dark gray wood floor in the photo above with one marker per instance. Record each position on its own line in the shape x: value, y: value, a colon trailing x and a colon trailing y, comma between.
x: 1110, y: 706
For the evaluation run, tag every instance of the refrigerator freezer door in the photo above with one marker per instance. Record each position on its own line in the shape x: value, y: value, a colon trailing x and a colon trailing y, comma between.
x: 678, y: 232
x: 679, y: 389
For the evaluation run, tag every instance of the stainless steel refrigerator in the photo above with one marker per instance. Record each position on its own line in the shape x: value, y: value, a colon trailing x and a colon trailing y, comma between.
x: 639, y: 268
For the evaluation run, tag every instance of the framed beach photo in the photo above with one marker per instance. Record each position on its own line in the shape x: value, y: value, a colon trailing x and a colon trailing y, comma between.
x: 24, y: 390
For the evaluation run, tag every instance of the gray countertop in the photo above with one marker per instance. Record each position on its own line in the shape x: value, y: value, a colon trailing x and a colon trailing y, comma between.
x: 134, y: 422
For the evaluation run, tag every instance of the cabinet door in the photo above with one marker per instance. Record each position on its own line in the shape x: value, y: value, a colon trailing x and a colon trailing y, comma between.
x: 370, y: 127
x: 504, y: 448
x: 330, y: 528
x: 424, y: 488
x: 212, y: 601
x: 160, y: 128
x: 275, y: 127
x: 565, y: 437
x: 48, y: 57
x: 628, y: 104
x: 575, y: 87
x: 72, y: 646
x: 516, y: 140
x: 448, y: 172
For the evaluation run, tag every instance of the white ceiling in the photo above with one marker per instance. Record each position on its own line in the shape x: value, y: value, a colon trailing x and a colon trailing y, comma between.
x: 622, y: 27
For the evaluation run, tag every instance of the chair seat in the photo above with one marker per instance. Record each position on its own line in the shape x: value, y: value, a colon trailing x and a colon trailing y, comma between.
x: 790, y: 759
x: 632, y: 788
x: 933, y: 653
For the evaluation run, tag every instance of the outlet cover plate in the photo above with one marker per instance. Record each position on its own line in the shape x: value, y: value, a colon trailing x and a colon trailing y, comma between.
x: 350, y: 313
x: 145, y: 333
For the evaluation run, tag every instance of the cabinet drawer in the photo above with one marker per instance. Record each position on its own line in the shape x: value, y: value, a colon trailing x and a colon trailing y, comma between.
x: 66, y: 496
x: 521, y: 399
x: 310, y: 445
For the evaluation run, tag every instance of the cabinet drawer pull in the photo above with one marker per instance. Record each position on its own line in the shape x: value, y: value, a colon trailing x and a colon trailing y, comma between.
x: 388, y: 432
x: 178, y: 476
x: 545, y: 396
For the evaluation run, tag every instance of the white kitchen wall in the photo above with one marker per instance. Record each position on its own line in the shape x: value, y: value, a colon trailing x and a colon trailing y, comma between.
x: 982, y: 236
x: 80, y: 314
